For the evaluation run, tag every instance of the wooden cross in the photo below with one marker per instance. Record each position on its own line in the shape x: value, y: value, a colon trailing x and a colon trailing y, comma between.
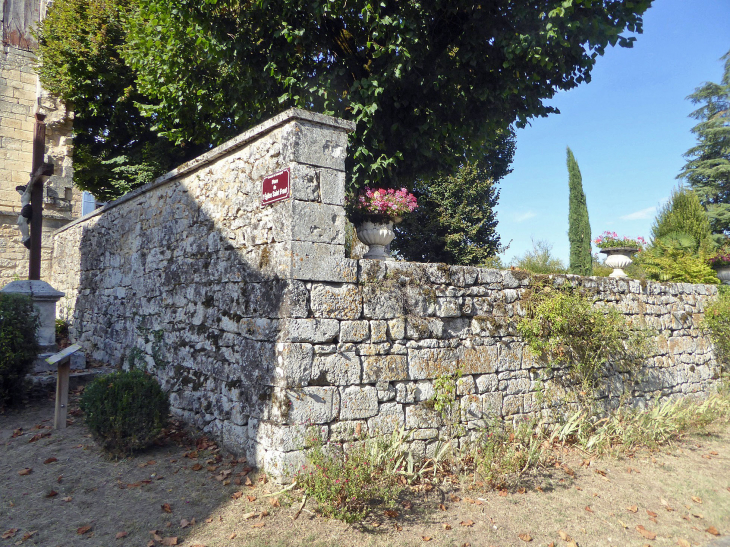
x: 38, y: 171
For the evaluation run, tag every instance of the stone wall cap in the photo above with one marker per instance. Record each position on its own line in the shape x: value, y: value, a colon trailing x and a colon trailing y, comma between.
x: 227, y: 147
x: 38, y: 290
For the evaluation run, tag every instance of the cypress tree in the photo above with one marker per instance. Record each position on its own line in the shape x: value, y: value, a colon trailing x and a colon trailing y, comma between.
x: 579, y: 228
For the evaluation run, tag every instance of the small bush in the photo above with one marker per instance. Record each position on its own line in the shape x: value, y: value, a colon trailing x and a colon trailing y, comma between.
x: 18, y: 344
x: 564, y: 329
x: 539, y: 260
x: 717, y: 322
x: 126, y: 411
x: 347, y: 486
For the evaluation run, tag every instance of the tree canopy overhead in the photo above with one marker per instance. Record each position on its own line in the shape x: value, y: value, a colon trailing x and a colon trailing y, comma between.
x: 430, y: 82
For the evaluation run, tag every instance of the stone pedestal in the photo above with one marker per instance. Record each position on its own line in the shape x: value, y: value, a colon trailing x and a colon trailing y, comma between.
x: 44, y: 300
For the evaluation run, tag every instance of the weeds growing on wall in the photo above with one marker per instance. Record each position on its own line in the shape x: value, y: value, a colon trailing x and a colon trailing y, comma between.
x: 717, y: 323
x: 566, y: 330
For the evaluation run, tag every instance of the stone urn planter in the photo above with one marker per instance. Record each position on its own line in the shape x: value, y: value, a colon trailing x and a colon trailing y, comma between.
x: 618, y: 258
x: 723, y: 274
x: 376, y: 235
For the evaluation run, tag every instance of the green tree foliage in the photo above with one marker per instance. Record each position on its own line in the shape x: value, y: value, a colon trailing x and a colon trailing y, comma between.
x: 429, y: 83
x: 717, y: 323
x: 683, y: 214
x: 18, y: 344
x: 708, y: 163
x: 681, y: 242
x: 456, y: 219
x: 579, y: 227
x: 115, y: 147
x: 539, y: 260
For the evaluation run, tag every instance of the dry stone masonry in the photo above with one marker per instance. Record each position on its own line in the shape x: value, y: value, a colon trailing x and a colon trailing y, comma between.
x: 266, y: 336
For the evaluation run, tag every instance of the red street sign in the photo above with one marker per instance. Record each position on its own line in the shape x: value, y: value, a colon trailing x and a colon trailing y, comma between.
x: 275, y: 187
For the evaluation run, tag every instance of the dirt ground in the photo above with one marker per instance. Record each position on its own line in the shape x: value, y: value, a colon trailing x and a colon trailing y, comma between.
x: 57, y: 488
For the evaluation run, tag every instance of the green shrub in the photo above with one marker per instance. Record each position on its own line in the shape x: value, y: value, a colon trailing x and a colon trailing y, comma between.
x: 668, y: 262
x: 18, y: 344
x: 126, y: 411
x: 347, y: 486
x: 564, y: 328
x: 539, y: 260
x: 717, y: 322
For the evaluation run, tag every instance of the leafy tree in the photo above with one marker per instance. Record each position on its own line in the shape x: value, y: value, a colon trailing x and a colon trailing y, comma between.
x: 579, y: 227
x: 683, y: 215
x: 708, y: 166
x: 115, y: 147
x: 429, y: 83
x: 539, y: 260
x: 456, y: 219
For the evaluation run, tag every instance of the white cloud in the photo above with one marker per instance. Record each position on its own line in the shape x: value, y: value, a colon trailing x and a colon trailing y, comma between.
x: 524, y: 216
x: 640, y: 215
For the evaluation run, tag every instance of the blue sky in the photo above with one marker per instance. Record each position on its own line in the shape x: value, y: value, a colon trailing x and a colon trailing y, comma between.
x: 628, y: 129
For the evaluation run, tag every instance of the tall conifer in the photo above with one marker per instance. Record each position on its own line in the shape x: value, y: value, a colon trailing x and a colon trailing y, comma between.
x: 579, y: 228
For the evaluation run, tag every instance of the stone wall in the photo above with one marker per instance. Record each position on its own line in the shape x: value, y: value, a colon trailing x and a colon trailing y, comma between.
x: 265, y: 335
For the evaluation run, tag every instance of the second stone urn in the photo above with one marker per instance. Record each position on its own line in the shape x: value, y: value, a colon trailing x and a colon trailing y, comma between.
x: 376, y: 235
x: 618, y: 258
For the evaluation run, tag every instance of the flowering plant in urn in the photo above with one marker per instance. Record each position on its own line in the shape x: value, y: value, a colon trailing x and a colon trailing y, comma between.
x: 374, y: 212
x: 384, y: 204
x: 611, y: 240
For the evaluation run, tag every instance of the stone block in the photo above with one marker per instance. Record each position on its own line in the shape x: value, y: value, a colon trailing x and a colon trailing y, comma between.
x: 381, y: 304
x: 305, y: 183
x: 354, y: 331
x: 397, y: 329
x: 338, y: 369
x: 384, y: 368
x: 288, y: 438
x: 314, y: 144
x: 312, y: 331
x: 492, y: 404
x: 328, y: 269
x: 294, y: 364
x: 510, y: 358
x: 378, y: 331
x: 313, y: 405
x: 389, y: 419
x: 486, y: 382
x: 341, y: 432
x: 465, y: 385
x: 470, y: 408
x: 413, y: 392
x: 448, y: 307
x: 284, y: 466
x: 332, y: 186
x: 422, y: 417
x: 371, y: 271
x: 418, y: 328
x: 358, y: 403
x: 431, y: 363
x: 336, y: 301
x: 317, y: 222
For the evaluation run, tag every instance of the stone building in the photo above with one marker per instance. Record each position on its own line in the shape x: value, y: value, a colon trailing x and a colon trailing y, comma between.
x: 21, y: 97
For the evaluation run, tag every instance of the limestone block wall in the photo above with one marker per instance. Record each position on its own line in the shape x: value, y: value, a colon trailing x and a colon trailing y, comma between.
x: 266, y: 336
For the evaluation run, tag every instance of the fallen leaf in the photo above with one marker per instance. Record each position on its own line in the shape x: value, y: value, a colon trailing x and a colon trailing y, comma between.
x: 258, y: 525
x: 67, y: 498
x: 712, y: 530
x: 622, y: 523
x: 52, y: 494
x: 237, y: 495
x: 390, y: 513
x: 714, y: 453
x: 151, y: 462
x: 455, y: 498
x: 696, y: 499
x: 274, y: 502
x: 407, y: 505
x: 25, y: 471
x: 446, y: 526
x: 29, y: 535
x: 251, y: 498
x: 9, y: 533
x: 651, y: 513
x: 467, y: 523
x: 564, y: 536
x: 633, y: 508
x: 525, y: 537
x: 83, y: 529
x: 232, y: 536
x: 442, y: 507
x: 248, y: 482
x: 121, y: 535
x: 426, y: 538
x: 646, y: 533
x: 166, y: 508
x: 184, y: 523
x: 17, y: 432
x: 588, y: 508
x: 169, y: 541
x: 503, y: 493
x: 50, y: 460
x: 683, y: 543
x: 398, y: 527
x: 568, y: 471
x: 209, y: 520
x: 250, y: 515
